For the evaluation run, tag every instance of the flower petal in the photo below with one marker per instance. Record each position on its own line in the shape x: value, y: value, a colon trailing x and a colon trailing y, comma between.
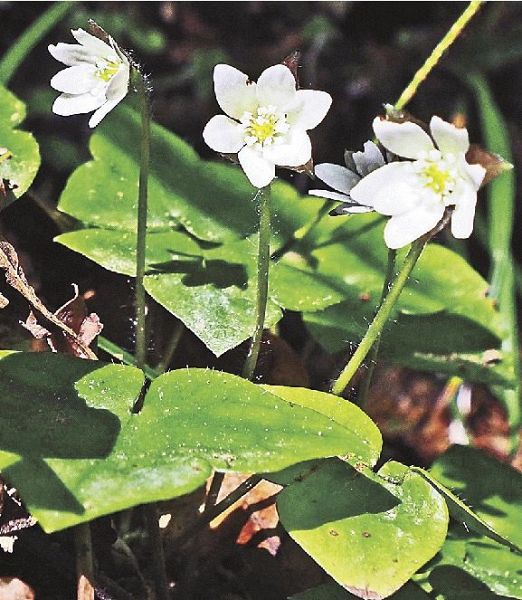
x: 465, y: 197
x: 449, y: 139
x: 71, y: 54
x: 75, y: 104
x: 390, y: 190
x: 337, y: 177
x: 276, y: 87
x: 76, y: 80
x: 92, y: 44
x: 309, y: 108
x: 295, y: 151
x: 258, y: 169
x: 404, y: 139
x: 235, y: 93
x: 368, y: 160
x: 404, y: 229
x: 475, y: 172
x: 224, y: 135
x: 119, y: 84
x: 330, y: 195
x: 103, y: 111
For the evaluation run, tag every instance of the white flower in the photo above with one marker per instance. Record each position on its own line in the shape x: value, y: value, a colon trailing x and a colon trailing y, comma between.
x: 415, y: 193
x: 266, y: 123
x: 96, y: 78
x: 343, y: 179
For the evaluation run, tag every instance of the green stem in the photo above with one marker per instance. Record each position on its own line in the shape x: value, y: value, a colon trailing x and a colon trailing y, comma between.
x: 84, y: 561
x: 18, y: 51
x: 125, y: 357
x: 263, y: 267
x: 168, y: 354
x: 433, y: 59
x: 213, y: 491
x: 150, y: 514
x: 141, y: 234
x: 365, y: 388
x: 382, y: 316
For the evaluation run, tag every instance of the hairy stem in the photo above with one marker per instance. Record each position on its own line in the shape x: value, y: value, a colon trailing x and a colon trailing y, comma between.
x: 365, y: 388
x: 141, y: 233
x: 433, y: 59
x: 84, y: 562
x: 383, y: 314
x: 263, y: 267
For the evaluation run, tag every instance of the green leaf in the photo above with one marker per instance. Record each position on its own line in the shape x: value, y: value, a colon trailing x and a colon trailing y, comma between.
x: 370, y: 532
x: 491, y: 488
x: 461, y: 512
x: 75, y: 451
x: 501, y: 215
x: 365, y: 437
x: 213, y: 201
x: 473, y: 569
x: 332, y: 591
x: 215, y: 298
x: 21, y: 167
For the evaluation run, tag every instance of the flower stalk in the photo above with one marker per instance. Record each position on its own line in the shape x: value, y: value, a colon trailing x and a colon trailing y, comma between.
x: 143, y: 90
x: 381, y: 318
x: 263, y: 197
x: 433, y: 59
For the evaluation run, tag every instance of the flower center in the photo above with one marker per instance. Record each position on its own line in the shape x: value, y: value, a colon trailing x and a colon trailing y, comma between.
x: 265, y: 127
x: 437, y: 173
x: 107, y: 69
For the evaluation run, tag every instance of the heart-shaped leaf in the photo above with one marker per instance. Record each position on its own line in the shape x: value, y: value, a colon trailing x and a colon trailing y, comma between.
x: 368, y: 531
x: 75, y: 451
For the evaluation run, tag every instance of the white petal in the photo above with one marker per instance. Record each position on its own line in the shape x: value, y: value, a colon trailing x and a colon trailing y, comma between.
x: 102, y: 112
x: 234, y: 92
x: 309, y: 108
x: 76, y: 80
x: 224, y: 135
x: 391, y: 190
x: 465, y: 197
x: 119, y: 84
x: 276, y: 86
x: 404, y: 229
x: 449, y: 139
x: 369, y: 159
x: 337, y: 177
x: 475, y: 172
x: 71, y: 54
x: 295, y: 151
x: 404, y: 139
x: 92, y: 43
x: 258, y: 169
x: 330, y: 195
x: 75, y: 104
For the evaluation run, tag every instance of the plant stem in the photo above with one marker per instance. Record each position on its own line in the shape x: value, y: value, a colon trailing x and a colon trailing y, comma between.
x: 432, y: 60
x: 365, y: 388
x: 141, y: 233
x: 38, y: 29
x: 382, y: 316
x: 125, y: 357
x: 175, y: 338
x: 213, y: 490
x: 84, y: 562
x: 210, y: 514
x: 263, y: 267
x: 150, y: 514
x: 140, y: 353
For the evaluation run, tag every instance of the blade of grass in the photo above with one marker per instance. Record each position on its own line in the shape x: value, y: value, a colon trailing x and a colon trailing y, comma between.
x: 38, y: 29
x: 501, y: 206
